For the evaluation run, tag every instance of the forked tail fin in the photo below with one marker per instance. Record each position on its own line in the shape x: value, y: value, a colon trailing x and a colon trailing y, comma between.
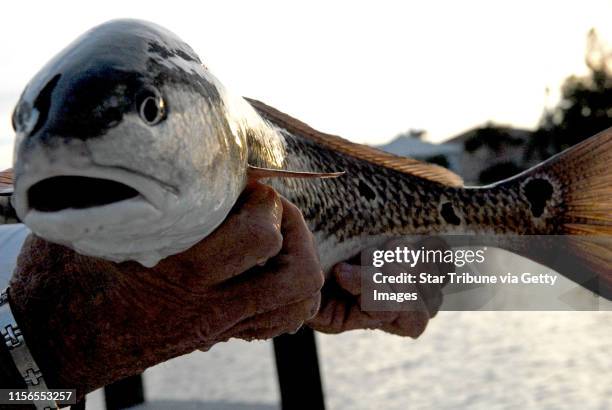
x: 578, y: 184
x: 586, y: 174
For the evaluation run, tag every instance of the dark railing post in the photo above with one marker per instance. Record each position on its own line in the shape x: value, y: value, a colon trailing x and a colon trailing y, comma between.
x: 79, y: 406
x: 297, y: 365
x: 124, y: 393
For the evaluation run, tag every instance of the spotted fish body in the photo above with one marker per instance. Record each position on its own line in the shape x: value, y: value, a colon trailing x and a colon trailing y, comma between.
x: 83, y: 120
x: 374, y: 200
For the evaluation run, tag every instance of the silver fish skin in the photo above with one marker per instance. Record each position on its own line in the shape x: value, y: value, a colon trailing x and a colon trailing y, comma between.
x: 128, y: 148
x: 81, y: 117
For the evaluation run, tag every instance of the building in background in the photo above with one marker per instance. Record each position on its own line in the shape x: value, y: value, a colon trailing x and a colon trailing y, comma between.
x: 491, y: 153
x: 481, y: 155
x: 411, y: 144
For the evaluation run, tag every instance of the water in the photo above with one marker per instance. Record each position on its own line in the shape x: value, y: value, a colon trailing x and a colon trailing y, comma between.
x: 476, y: 360
x: 471, y: 360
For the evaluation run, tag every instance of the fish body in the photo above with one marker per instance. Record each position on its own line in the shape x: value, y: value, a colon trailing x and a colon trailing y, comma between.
x: 382, y: 195
x: 128, y: 148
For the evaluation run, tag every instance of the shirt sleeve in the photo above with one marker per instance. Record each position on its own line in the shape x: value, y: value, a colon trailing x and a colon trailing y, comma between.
x: 11, y: 241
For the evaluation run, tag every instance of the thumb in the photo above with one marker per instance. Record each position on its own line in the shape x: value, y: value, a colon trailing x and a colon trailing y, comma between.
x: 348, y: 277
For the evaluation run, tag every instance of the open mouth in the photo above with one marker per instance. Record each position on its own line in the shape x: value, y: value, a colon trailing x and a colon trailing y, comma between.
x: 76, y: 192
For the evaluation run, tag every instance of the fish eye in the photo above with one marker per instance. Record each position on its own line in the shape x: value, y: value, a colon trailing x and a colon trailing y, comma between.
x: 151, y: 107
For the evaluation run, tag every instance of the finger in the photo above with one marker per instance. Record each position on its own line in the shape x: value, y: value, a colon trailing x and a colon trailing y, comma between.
x: 264, y: 289
x: 411, y: 324
x: 297, y: 238
x: 348, y: 277
x: 298, y: 258
x: 333, y: 302
x: 401, y: 287
x: 341, y: 311
x: 432, y: 297
x: 266, y: 333
x: 428, y: 294
x: 339, y: 317
x: 249, y: 236
x: 251, y: 192
x: 285, y: 319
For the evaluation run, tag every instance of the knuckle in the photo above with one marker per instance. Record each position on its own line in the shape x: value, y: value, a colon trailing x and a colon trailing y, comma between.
x: 267, y: 237
x: 304, y: 275
x: 418, y: 324
x: 266, y: 207
x: 292, y: 209
x: 203, y: 330
x: 303, y: 311
x: 316, y: 280
x: 313, y: 307
x: 267, y: 191
x: 259, y: 191
x: 292, y: 212
x: 436, y: 303
x: 294, y: 327
x: 386, y: 316
x: 268, y: 197
x: 321, y: 320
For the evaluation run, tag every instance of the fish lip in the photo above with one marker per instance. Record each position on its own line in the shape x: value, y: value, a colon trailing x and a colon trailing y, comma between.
x: 149, y: 189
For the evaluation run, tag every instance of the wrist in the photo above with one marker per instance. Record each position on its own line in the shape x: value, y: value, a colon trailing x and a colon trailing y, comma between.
x: 47, y: 302
x: 48, y: 354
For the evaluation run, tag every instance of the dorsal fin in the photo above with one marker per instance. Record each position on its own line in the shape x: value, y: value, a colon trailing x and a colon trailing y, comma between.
x: 6, y: 182
x: 407, y: 165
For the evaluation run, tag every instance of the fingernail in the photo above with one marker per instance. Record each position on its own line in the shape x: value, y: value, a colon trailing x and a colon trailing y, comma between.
x: 345, y: 271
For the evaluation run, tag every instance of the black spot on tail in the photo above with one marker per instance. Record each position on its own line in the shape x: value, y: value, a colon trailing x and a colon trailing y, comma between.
x: 366, y: 191
x: 448, y: 213
x: 538, y: 191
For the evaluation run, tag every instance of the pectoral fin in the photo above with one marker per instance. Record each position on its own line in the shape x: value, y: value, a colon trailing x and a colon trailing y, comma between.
x: 254, y: 173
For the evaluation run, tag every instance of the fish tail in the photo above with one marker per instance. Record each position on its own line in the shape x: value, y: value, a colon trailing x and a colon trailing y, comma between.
x: 571, y: 195
x: 585, y: 173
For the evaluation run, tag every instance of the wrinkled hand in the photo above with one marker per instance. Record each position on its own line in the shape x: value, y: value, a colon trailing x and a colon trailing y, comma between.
x: 341, y: 305
x: 89, y: 322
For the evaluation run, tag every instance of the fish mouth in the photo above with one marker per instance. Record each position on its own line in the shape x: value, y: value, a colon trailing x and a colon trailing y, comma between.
x: 77, y: 192
x: 68, y: 204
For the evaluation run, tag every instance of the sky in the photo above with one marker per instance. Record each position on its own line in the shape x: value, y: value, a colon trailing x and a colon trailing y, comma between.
x: 363, y: 70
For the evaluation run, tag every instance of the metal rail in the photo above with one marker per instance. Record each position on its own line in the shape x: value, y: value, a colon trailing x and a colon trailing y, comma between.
x: 297, y: 367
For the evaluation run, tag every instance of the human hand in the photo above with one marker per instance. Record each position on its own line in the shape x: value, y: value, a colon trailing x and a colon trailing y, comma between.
x: 341, y: 304
x: 89, y: 322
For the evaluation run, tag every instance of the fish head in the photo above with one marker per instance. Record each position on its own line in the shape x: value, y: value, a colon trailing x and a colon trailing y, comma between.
x: 124, y: 147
